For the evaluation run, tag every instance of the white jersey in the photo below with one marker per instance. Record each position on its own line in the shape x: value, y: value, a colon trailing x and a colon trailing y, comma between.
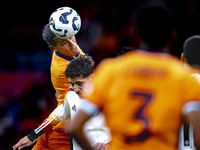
x: 94, y: 129
x: 186, y: 137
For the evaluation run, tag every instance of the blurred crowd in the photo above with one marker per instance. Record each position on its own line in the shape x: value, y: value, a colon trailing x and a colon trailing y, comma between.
x: 26, y: 93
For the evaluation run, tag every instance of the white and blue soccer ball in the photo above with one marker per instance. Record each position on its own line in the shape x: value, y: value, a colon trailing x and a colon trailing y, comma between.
x: 65, y: 22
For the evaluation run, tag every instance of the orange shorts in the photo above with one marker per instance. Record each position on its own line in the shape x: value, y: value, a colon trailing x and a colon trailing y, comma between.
x: 54, y: 139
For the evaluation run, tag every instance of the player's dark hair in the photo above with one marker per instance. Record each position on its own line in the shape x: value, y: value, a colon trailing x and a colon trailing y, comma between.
x: 191, y: 50
x: 155, y: 24
x: 81, y: 66
x: 48, y: 35
x: 125, y: 50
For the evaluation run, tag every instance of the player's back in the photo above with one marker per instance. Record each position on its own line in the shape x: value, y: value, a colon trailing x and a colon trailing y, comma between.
x: 149, y: 90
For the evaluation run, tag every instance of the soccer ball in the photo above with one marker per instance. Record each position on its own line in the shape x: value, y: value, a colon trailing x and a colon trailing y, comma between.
x: 65, y: 22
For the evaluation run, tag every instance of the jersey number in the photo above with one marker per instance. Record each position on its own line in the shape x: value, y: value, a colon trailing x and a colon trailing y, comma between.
x: 146, y: 99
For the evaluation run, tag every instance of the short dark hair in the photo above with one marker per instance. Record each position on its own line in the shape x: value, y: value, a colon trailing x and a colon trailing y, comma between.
x: 48, y: 35
x: 81, y: 66
x: 155, y: 24
x: 125, y: 50
x: 191, y: 50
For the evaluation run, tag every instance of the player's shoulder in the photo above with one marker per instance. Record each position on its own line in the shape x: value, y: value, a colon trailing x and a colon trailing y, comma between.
x: 197, y: 76
x: 165, y: 60
x: 138, y: 58
x: 59, y: 62
x: 143, y: 57
x: 117, y: 61
x: 71, y: 95
x: 57, y: 56
x: 70, y: 92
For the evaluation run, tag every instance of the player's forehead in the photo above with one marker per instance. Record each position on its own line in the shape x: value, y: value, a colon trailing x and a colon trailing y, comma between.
x: 77, y: 80
x: 58, y: 40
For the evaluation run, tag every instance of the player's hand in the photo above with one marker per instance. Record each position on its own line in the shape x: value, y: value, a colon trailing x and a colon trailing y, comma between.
x: 101, y: 146
x: 24, y: 142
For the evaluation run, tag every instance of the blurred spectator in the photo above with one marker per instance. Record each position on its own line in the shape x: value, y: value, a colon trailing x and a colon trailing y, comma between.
x: 154, y: 28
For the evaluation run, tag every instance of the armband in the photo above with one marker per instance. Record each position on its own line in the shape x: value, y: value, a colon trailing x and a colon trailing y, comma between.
x: 33, y: 136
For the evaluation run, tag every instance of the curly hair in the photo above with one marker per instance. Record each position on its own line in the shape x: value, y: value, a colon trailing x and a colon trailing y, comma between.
x: 81, y: 66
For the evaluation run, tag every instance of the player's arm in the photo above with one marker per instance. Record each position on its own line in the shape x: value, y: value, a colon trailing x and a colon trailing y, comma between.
x: 191, y: 110
x: 29, y: 139
x: 75, y: 130
x: 60, y: 113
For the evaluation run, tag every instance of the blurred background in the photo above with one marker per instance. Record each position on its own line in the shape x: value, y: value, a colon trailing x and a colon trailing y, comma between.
x: 26, y: 93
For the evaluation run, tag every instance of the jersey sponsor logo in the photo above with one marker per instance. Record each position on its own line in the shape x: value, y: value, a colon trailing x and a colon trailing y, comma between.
x: 148, y: 72
x: 74, y: 108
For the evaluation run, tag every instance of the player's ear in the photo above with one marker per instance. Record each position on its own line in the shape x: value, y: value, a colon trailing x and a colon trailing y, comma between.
x: 92, y: 76
x: 183, y: 59
x: 52, y: 47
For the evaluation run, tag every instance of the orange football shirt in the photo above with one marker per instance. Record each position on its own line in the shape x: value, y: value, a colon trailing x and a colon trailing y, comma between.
x: 60, y: 82
x: 142, y: 95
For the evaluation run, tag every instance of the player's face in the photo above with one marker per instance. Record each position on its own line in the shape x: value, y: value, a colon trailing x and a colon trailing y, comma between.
x: 81, y: 85
x: 68, y: 44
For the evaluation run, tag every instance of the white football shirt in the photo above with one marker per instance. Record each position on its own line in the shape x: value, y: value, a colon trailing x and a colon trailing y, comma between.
x: 94, y: 129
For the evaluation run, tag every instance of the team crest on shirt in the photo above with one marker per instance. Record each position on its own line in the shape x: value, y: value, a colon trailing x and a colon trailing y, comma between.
x: 74, y: 108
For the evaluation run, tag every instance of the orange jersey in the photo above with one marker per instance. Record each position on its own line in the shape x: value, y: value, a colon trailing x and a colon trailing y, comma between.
x: 54, y: 137
x: 58, y: 78
x: 142, y: 95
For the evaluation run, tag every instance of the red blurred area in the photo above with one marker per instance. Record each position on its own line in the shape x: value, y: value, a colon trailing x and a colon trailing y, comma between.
x: 15, y: 84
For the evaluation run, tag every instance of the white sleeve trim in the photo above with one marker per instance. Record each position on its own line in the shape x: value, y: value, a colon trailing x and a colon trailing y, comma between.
x: 88, y: 107
x: 191, y: 106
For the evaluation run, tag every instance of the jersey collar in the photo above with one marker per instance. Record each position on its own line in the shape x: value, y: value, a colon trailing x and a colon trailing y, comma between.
x: 63, y: 56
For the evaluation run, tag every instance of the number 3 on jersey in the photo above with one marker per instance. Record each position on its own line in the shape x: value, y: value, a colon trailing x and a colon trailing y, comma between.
x: 146, y: 99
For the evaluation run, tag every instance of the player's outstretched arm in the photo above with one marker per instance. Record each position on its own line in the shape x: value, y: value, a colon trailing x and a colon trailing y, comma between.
x: 60, y: 113
x: 24, y: 142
